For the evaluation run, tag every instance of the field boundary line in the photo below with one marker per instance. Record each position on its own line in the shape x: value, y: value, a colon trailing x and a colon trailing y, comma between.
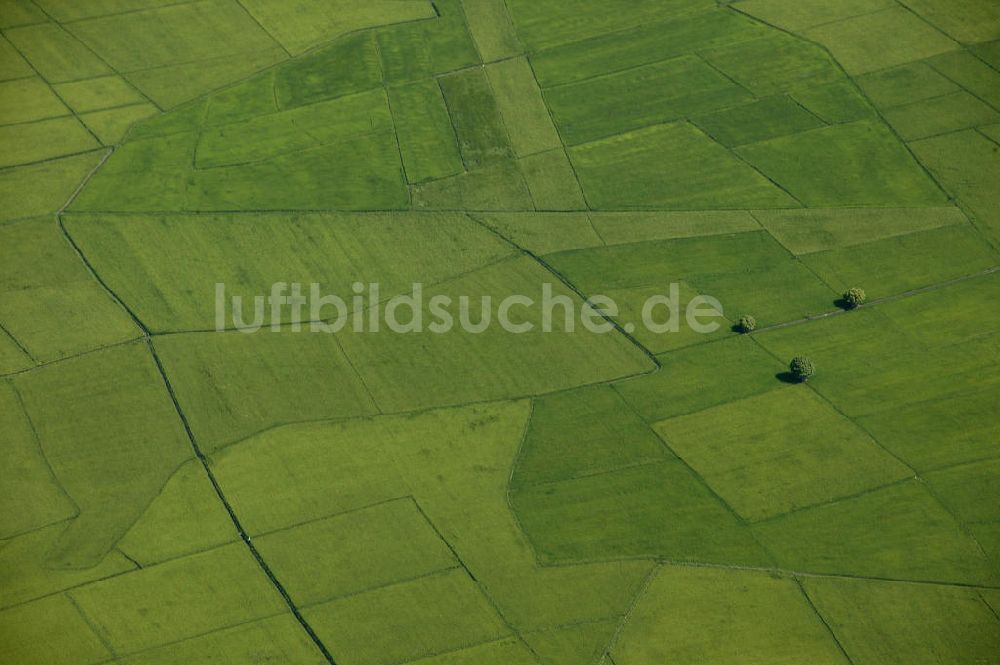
x: 819, y: 615
x: 206, y: 466
x: 637, y: 596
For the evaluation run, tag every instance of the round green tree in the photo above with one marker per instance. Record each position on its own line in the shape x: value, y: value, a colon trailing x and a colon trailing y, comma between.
x: 801, y: 368
x: 854, y: 298
x: 747, y: 324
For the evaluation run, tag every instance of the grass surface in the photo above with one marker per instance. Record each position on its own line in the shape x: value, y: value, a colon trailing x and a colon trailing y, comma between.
x: 178, y: 496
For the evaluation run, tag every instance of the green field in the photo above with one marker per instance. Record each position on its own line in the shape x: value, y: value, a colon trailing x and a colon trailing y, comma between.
x: 189, y: 480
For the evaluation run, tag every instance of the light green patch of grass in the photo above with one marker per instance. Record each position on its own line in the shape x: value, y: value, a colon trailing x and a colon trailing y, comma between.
x: 185, y: 517
x: 859, y: 164
x: 642, y: 45
x: 892, y: 622
x: 569, y: 645
x: 700, y: 377
x: 302, y: 24
x: 779, y: 452
x: 426, y: 616
x: 32, y: 191
x: 98, y: 94
x: 417, y: 51
x: 656, y: 93
x: 546, y: 24
x: 695, y: 615
x: 148, y: 608
x: 654, y: 510
x: 226, y: 382
x: 860, y: 44
x: 940, y: 115
x: 543, y: 233
x: 342, y: 248
x: 966, y: 163
x: 835, y: 103
x: 581, y: 432
x: 109, y: 431
x: 939, y: 432
x: 44, y: 140
x: 56, y: 54
x: 49, y: 631
x: 758, y: 121
x: 28, y: 99
x: 276, y: 134
x: 509, y: 651
x: 818, y: 230
x: 51, y: 304
x: 901, y: 263
x: 796, y: 16
x: 634, y: 227
x: 673, y: 166
x: 426, y: 137
x: 916, y: 539
x: 279, y: 639
x: 962, y: 489
x: 971, y: 73
x: 29, y: 492
x: 406, y: 372
x: 905, y: 84
x: 498, y: 186
x: 492, y: 29
x: 111, y: 125
x: 12, y: 65
x: 774, y: 63
x: 352, y: 552
x: 552, y: 182
x: 967, y: 21
x: 66, y: 11
x: 521, y: 106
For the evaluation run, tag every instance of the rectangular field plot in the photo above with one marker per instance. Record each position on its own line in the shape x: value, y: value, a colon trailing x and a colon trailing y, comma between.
x: 753, y: 617
x: 635, y: 227
x: 765, y: 119
x: 279, y: 639
x: 43, y: 140
x: 100, y: 93
x: 407, y: 372
x: 642, y: 45
x: 355, y: 551
x: 774, y: 63
x: 542, y: 233
x: 701, y: 377
x: 482, y: 136
x: 673, y: 166
x: 417, y: 51
x: 28, y: 99
x: 111, y: 435
x: 342, y: 248
x: 426, y: 137
x: 857, y: 164
x: 779, y: 452
x: 32, y: 191
x: 552, y: 182
x: 51, y: 304
x: 345, y: 67
x: 658, y: 509
x: 430, y: 615
x: 940, y: 115
x: 657, y: 93
x: 896, y: 623
x: 900, y: 532
x: 738, y: 269
x: 232, y: 385
x: 817, y: 230
x: 56, y: 54
x: 49, y: 631
x: 522, y: 108
x: 179, y: 599
x: 491, y: 28
x: 906, y: 262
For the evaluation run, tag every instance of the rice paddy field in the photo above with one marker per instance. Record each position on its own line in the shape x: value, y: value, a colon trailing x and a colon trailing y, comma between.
x: 177, y: 492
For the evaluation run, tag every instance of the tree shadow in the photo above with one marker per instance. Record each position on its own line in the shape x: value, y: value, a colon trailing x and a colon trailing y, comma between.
x: 787, y: 377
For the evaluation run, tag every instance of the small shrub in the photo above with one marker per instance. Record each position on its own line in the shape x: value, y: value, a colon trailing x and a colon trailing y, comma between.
x: 747, y: 324
x: 854, y: 298
x: 801, y: 368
